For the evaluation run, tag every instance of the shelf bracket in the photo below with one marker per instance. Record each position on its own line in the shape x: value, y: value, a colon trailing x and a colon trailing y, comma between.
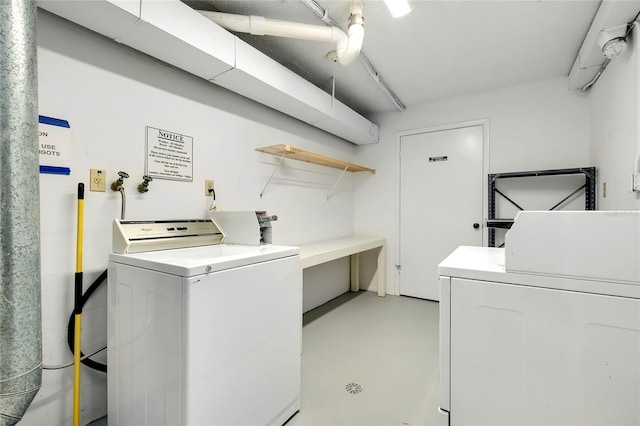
x: 273, y: 173
x: 336, y: 184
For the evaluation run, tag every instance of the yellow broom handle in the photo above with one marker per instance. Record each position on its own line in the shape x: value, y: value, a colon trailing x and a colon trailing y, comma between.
x: 78, y: 309
x: 79, y: 235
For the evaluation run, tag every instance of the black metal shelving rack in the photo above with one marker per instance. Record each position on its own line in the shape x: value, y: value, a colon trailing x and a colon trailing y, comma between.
x: 493, y: 223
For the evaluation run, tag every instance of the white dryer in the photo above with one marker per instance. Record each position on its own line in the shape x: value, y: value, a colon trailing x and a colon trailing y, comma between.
x: 547, y: 330
x: 202, y: 335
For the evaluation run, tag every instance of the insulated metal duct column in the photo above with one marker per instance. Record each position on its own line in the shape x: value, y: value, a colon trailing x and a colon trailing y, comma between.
x: 20, y: 316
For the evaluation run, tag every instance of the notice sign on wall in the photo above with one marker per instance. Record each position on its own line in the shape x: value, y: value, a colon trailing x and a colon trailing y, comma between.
x: 54, y: 145
x: 169, y: 155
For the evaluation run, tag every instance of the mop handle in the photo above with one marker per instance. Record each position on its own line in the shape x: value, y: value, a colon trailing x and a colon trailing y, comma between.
x: 77, y: 309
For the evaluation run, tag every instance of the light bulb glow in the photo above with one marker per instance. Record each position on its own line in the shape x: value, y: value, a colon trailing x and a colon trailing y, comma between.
x: 398, y: 8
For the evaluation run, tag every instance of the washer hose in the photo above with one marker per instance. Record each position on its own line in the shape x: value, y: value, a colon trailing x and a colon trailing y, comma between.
x: 72, y: 326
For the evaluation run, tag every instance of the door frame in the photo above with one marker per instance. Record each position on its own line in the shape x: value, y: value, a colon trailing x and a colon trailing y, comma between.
x: 485, y: 170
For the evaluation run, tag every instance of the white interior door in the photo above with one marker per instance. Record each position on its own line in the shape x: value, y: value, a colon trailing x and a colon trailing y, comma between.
x: 441, y: 180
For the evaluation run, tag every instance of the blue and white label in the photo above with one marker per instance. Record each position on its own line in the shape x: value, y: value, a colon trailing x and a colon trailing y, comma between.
x: 54, y: 145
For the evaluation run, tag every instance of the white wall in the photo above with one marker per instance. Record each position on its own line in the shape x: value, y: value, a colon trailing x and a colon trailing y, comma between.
x: 614, y: 129
x: 109, y: 93
x: 540, y: 125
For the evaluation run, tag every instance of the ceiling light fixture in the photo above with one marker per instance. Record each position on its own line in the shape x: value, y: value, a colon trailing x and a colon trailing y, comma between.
x: 398, y: 8
x: 614, y: 48
x: 612, y: 41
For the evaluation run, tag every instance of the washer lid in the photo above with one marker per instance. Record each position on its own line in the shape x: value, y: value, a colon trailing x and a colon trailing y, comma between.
x: 593, y: 245
x: 192, y: 261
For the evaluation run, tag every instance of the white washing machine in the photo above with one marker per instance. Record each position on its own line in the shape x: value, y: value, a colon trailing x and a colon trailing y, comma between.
x: 202, y: 335
x: 547, y: 330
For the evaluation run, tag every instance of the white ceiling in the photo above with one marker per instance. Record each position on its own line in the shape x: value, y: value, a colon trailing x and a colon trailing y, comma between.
x: 442, y: 49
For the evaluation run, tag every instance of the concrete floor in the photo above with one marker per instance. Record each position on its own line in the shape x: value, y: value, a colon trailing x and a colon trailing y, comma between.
x: 368, y: 360
x: 384, y: 347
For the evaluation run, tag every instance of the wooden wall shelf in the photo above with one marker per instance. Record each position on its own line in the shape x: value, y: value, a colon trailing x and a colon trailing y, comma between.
x: 310, y: 157
x: 287, y: 151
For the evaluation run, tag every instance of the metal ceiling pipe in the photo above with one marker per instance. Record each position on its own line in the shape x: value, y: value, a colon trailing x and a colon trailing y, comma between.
x: 348, y: 45
x: 20, y: 315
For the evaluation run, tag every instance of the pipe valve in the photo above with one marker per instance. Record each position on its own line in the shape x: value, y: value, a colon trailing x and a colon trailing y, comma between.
x: 117, y: 185
x: 144, y: 186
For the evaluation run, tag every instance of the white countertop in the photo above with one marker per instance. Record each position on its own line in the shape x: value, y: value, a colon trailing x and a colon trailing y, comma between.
x: 326, y: 251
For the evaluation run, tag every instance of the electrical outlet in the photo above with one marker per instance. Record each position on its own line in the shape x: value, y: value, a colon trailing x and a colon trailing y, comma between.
x: 98, y: 180
x: 636, y: 182
x: 208, y: 188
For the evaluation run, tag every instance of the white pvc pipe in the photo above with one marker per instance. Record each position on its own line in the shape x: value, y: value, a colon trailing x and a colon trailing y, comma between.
x: 258, y: 25
x: 348, y: 46
x: 348, y: 52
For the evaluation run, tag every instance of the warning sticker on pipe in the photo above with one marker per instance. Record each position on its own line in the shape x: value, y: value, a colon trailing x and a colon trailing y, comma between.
x: 54, y: 145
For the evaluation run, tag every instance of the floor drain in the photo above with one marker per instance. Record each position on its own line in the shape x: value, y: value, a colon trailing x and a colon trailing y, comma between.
x: 353, y: 388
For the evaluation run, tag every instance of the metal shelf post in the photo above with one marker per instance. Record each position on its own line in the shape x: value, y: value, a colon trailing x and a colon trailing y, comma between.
x: 589, y: 188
